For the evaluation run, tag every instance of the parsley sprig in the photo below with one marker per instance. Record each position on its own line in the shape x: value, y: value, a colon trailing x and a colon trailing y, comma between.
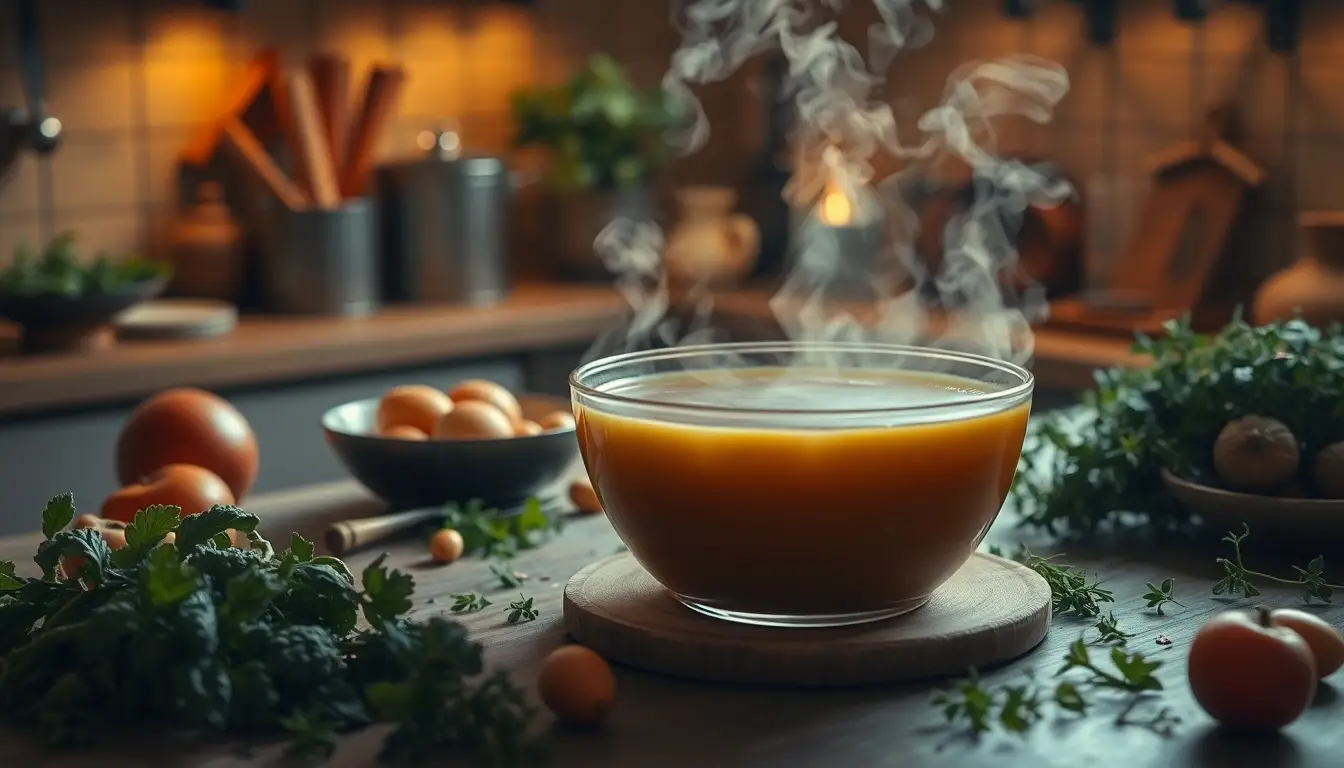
x: 1237, y: 577
x: 1080, y: 682
x: 1162, y: 594
x: 486, y: 534
x: 469, y: 602
x: 522, y: 610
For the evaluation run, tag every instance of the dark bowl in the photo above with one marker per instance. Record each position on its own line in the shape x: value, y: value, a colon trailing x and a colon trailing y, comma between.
x: 409, y: 474
x: 45, y: 310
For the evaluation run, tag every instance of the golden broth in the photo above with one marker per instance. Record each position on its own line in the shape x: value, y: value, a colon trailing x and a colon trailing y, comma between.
x: 787, y: 515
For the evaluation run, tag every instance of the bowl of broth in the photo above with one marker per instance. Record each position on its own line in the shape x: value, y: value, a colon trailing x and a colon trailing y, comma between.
x: 801, y: 484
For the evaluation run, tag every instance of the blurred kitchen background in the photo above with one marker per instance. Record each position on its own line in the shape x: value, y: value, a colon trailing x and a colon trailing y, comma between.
x: 412, y: 264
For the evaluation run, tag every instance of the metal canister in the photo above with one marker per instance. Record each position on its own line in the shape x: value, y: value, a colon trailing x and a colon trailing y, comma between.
x: 443, y: 224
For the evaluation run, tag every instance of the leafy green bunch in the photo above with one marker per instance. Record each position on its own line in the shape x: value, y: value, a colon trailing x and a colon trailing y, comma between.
x: 59, y: 270
x: 1083, y: 472
x: 200, y: 636
x: 603, y: 132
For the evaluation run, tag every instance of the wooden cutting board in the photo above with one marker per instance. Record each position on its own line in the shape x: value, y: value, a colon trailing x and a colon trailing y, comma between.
x: 993, y: 610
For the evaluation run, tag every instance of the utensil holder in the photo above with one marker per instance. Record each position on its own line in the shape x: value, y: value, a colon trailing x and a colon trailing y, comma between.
x: 322, y: 262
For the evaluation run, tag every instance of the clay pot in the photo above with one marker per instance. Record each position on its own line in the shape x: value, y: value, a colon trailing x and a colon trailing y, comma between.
x: 206, y: 249
x: 710, y: 244
x: 1313, y: 287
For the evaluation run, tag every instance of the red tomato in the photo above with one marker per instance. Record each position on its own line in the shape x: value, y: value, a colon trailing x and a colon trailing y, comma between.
x: 1249, y: 673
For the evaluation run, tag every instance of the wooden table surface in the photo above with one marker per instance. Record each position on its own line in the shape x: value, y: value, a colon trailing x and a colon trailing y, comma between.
x: 660, y: 721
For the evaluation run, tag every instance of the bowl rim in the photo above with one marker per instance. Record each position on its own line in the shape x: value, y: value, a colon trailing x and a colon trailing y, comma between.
x: 328, y: 414
x: 1014, y: 392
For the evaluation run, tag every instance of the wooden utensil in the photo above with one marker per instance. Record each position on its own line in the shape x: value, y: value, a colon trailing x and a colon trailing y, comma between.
x: 330, y: 74
x: 282, y: 105
x: 317, y: 159
x: 990, y: 611
x: 1198, y: 189
x: 376, y: 111
x: 349, y: 534
x: 259, y: 73
x: 247, y: 150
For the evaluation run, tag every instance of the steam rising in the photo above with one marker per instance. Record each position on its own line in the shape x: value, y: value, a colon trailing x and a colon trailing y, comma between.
x: 841, y: 125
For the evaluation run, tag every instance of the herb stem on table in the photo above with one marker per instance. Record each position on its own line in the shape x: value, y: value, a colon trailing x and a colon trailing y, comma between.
x: 1237, y: 577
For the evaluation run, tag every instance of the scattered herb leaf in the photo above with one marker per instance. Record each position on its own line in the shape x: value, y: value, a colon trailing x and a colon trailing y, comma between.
x: 1159, y: 595
x: 508, y: 578
x: 1015, y: 707
x: 1071, y: 592
x: 469, y: 602
x: 1110, y: 632
x: 521, y: 610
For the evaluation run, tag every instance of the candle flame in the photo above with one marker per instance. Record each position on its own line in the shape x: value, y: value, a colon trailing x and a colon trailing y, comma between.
x: 835, y: 206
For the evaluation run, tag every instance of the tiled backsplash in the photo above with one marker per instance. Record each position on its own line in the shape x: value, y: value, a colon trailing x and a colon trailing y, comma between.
x: 130, y: 79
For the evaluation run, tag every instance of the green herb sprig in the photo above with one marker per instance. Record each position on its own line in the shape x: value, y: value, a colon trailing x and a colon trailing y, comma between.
x: 1109, y: 631
x: 522, y: 610
x: 1016, y: 707
x: 486, y: 534
x: 507, y: 577
x: 1159, y: 595
x: 1100, y: 467
x: 196, y: 635
x: 1237, y: 577
x: 1071, y: 592
x: 469, y: 602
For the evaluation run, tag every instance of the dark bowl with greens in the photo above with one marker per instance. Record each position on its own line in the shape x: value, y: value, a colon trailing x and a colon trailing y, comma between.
x: 58, y: 289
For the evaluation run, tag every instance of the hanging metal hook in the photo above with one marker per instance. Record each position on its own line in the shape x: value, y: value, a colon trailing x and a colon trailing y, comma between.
x: 29, y: 126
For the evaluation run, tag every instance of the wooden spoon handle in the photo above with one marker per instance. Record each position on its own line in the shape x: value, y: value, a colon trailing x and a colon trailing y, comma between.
x: 347, y: 535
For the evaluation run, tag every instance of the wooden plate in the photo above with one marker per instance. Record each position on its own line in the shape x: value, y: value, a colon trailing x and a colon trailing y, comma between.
x: 993, y: 610
x: 1313, y: 517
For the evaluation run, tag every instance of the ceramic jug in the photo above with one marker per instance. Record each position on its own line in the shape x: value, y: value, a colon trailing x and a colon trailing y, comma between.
x: 1313, y: 287
x: 710, y: 244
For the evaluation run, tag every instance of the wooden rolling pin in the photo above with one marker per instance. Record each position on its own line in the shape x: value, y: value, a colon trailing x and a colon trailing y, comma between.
x: 248, y: 151
x: 331, y: 80
x: 317, y: 162
x: 349, y: 534
x: 375, y: 114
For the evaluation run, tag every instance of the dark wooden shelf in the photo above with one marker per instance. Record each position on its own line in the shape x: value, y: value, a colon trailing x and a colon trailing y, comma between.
x: 264, y: 350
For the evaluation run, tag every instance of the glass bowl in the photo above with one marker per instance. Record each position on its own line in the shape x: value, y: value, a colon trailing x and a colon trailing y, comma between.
x: 796, y: 483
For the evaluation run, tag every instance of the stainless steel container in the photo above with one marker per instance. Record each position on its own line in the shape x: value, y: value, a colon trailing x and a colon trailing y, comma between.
x: 444, y: 225
x: 321, y: 262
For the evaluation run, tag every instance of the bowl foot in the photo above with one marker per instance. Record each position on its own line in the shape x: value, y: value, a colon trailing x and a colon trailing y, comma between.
x: 805, y: 620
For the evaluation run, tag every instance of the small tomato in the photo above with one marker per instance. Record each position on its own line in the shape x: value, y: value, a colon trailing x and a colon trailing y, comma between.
x: 446, y: 545
x: 1248, y: 673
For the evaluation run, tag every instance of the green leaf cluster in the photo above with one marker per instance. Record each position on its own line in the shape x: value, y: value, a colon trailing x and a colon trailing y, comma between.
x: 602, y: 131
x: 1100, y: 467
x: 199, y: 636
x: 59, y: 270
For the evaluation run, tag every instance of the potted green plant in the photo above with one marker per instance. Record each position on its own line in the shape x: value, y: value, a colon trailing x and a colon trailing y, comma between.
x: 606, y: 140
x: 62, y: 300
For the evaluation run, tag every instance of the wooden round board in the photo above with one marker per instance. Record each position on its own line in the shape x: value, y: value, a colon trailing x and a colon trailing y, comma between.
x: 992, y: 611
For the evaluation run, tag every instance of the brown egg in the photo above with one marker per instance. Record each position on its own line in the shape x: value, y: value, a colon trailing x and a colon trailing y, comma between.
x: 584, y: 497
x: 527, y: 428
x: 576, y: 685
x: 556, y: 420
x: 472, y: 420
x: 404, y: 432
x: 412, y: 405
x: 488, y: 392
